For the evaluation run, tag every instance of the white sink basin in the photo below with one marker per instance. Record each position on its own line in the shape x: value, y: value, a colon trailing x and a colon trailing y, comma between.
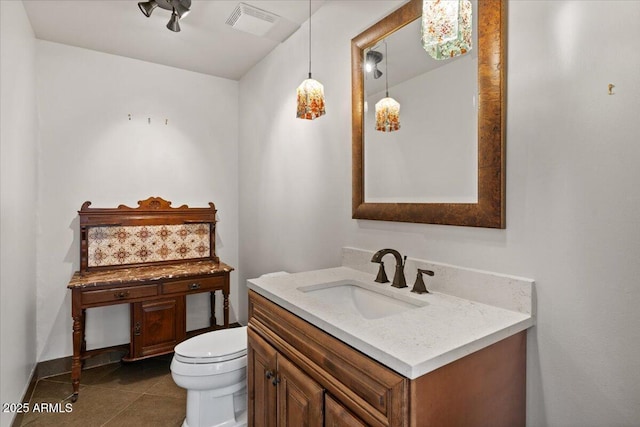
x: 365, y: 300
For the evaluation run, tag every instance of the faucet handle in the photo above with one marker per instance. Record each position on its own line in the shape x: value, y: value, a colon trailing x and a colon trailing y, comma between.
x: 419, y: 286
x: 382, y: 275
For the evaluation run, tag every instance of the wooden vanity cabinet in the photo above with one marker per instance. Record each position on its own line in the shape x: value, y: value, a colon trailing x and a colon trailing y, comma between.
x: 312, y: 364
x: 283, y: 395
x: 261, y: 365
x: 298, y: 375
x: 336, y: 415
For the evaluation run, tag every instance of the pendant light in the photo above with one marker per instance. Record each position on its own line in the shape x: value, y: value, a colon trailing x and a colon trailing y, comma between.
x: 387, y: 109
x: 446, y: 27
x: 310, y: 93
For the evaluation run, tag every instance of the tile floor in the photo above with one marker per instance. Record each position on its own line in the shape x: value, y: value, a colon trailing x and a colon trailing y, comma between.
x: 135, y: 394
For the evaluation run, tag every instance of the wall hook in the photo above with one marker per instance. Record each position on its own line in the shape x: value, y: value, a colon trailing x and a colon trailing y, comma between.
x: 611, y: 86
x: 149, y: 120
x: 166, y: 122
x: 129, y: 116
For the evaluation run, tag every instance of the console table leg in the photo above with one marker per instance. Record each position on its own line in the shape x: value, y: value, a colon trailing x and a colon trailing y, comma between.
x: 76, y: 365
x: 84, y: 328
x: 226, y: 308
x: 212, y: 319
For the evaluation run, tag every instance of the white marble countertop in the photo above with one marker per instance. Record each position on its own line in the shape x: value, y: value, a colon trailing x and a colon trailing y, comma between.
x: 411, y: 343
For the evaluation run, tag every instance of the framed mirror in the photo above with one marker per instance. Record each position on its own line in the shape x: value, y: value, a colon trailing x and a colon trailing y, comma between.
x: 433, y: 170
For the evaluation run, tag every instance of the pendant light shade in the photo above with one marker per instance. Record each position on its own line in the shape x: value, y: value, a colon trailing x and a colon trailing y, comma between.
x: 310, y: 99
x: 310, y: 93
x: 387, y: 115
x: 446, y: 27
x: 387, y: 109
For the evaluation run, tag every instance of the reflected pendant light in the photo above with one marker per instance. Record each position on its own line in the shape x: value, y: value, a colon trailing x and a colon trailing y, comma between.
x: 446, y: 27
x: 387, y: 109
x: 310, y: 93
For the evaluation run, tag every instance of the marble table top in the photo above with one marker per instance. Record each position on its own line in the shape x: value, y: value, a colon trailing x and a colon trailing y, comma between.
x: 146, y: 273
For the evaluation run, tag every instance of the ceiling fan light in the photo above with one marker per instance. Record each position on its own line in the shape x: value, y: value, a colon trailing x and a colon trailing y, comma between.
x: 174, y: 22
x: 181, y: 10
x: 147, y: 7
x: 372, y: 58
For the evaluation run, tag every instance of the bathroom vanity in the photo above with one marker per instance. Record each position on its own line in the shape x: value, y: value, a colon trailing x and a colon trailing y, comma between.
x: 151, y: 257
x: 435, y: 359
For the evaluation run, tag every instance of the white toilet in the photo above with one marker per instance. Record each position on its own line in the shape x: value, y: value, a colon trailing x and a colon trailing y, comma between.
x: 213, y: 369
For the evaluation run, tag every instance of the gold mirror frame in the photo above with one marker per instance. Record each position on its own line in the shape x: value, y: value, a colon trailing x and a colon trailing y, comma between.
x: 489, y: 211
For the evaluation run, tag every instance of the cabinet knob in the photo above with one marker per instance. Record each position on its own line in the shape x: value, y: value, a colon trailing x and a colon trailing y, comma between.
x: 194, y: 286
x: 121, y: 295
x: 269, y: 374
x: 275, y: 381
x: 137, y: 329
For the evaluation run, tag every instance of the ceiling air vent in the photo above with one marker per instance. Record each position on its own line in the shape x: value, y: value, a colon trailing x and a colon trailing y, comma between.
x: 252, y: 20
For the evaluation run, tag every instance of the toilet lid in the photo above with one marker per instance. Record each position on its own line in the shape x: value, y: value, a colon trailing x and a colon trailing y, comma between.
x: 216, y: 346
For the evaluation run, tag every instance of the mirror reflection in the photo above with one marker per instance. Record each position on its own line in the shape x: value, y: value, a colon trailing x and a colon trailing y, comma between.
x: 433, y: 156
x: 481, y: 107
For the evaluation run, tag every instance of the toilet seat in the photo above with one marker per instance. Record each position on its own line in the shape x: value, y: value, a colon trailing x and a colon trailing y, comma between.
x: 213, y: 347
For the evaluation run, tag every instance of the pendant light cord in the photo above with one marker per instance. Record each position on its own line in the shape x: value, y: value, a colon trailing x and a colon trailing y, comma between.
x: 309, y: 38
x: 386, y: 68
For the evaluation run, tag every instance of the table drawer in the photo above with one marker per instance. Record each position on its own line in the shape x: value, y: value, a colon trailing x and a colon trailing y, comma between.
x: 119, y: 294
x: 195, y: 285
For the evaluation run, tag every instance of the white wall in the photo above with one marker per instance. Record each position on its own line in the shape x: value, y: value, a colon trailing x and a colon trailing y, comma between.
x: 90, y: 150
x: 573, y: 204
x: 295, y: 174
x: 19, y: 137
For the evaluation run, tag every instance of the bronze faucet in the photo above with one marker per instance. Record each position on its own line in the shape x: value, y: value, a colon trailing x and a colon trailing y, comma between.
x: 399, y: 280
x: 419, y: 286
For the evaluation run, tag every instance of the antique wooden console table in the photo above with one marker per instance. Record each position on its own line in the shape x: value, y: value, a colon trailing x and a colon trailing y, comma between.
x: 151, y: 258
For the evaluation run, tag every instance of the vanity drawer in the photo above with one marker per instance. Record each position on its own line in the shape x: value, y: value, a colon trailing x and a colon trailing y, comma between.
x: 196, y: 285
x: 373, y: 392
x: 119, y: 294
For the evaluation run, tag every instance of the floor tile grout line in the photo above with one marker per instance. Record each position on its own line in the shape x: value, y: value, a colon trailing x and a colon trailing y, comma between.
x: 122, y: 410
x: 154, y: 374
x: 124, y: 388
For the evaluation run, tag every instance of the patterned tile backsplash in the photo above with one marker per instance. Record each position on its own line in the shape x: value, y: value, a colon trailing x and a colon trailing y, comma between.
x: 122, y: 245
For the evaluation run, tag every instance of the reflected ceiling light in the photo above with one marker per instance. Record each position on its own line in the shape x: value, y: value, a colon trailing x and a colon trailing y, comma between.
x: 446, y: 27
x: 371, y: 63
x: 310, y: 93
x: 179, y: 9
x: 387, y: 109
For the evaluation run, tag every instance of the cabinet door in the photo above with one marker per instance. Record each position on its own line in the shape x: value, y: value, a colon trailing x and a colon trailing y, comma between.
x: 261, y: 390
x: 157, y: 326
x: 300, y: 399
x: 337, y: 415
